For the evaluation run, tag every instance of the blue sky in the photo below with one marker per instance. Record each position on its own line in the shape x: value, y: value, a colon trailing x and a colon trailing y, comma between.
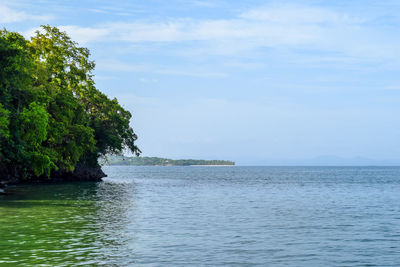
x: 258, y: 82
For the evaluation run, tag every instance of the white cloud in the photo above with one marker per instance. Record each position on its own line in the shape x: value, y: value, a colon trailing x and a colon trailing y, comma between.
x: 259, y: 33
x: 289, y: 14
x: 117, y: 66
x: 8, y: 15
x: 121, y: 67
x: 204, y: 3
x: 282, y: 26
x: 288, y: 25
x: 245, y: 65
x: 83, y: 35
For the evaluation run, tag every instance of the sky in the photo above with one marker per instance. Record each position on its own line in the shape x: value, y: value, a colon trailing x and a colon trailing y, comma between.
x: 257, y: 82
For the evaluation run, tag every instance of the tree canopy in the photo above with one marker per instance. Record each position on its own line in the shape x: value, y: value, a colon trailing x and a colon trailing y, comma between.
x: 52, y: 116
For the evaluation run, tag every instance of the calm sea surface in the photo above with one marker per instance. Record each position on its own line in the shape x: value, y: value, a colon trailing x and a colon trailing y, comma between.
x: 207, y: 216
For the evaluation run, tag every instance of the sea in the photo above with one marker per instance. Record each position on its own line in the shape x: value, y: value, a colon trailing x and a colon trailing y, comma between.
x: 207, y: 216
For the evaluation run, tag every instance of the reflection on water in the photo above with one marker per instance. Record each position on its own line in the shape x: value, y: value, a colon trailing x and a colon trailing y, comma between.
x: 115, y: 208
x: 189, y: 216
x: 66, y: 224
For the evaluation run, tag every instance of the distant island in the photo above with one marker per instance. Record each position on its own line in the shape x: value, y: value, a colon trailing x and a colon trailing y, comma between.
x: 155, y: 161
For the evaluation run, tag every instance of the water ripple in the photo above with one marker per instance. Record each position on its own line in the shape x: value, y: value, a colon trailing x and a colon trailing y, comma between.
x: 204, y: 216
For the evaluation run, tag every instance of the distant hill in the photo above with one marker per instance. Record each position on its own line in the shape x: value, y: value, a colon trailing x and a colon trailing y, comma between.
x: 325, y: 160
x: 154, y: 161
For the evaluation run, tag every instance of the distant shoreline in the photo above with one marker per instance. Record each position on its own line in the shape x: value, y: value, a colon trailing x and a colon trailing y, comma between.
x: 211, y: 165
x: 125, y: 165
x: 156, y: 161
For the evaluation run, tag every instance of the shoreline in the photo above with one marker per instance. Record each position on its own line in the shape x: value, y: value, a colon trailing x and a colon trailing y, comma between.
x: 126, y: 165
x: 80, y: 174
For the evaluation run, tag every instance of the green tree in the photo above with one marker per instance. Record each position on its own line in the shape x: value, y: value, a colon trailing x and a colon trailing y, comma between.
x: 52, y: 117
x: 16, y: 67
x: 67, y: 66
x: 34, y: 123
x: 4, y: 122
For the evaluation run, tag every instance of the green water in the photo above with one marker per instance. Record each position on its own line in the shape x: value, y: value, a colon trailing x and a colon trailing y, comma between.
x: 56, y: 225
x: 207, y: 216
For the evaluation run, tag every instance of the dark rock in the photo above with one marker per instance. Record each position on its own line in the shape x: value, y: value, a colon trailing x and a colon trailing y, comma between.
x: 81, y: 174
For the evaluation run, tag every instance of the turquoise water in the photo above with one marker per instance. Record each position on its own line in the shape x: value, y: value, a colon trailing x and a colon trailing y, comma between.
x: 207, y: 216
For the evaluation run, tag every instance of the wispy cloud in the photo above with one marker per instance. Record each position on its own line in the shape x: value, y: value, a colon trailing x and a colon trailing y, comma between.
x: 271, y: 26
x: 181, y: 30
x: 116, y: 66
x: 9, y: 15
x: 340, y: 37
x: 204, y: 3
x: 85, y: 34
x: 289, y: 14
x: 82, y: 35
x: 114, y: 11
x: 267, y: 26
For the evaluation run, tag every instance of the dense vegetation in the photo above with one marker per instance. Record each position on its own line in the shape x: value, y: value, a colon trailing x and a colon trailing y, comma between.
x: 154, y: 161
x: 52, y: 117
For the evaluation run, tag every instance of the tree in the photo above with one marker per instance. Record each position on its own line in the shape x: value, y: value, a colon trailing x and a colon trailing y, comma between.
x: 68, y: 66
x: 52, y: 115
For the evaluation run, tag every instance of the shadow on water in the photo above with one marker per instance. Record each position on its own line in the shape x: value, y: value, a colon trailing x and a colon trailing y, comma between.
x: 65, y: 224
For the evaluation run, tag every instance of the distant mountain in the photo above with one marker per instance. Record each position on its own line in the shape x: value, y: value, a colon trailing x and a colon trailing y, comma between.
x: 326, y: 160
x: 340, y: 161
x: 154, y: 161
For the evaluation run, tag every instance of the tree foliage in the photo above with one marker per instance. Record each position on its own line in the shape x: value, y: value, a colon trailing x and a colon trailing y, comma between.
x: 52, y: 117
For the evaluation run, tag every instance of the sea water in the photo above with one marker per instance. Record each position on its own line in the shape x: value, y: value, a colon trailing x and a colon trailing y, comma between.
x: 207, y: 216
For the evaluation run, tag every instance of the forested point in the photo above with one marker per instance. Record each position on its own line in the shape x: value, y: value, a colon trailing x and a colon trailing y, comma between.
x: 155, y: 161
x: 54, y: 123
